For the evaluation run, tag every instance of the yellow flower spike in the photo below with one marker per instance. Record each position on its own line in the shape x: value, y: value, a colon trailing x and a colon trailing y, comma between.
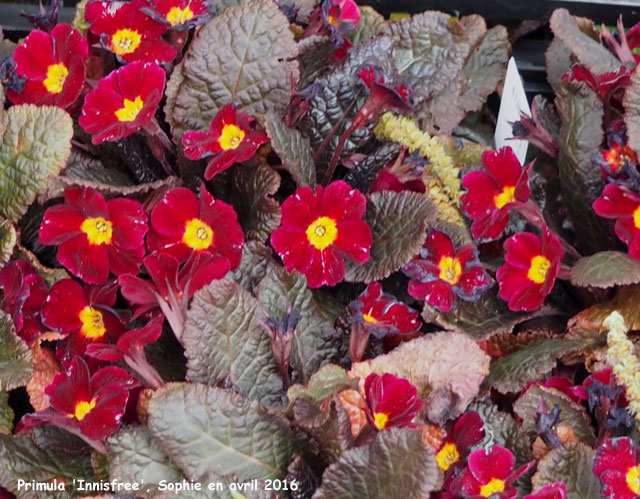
x: 447, y: 212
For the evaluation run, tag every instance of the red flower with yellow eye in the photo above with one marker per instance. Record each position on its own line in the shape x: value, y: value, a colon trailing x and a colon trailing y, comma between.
x: 440, y: 273
x: 182, y: 226
x: 178, y: 14
x: 617, y: 159
x: 123, y: 102
x: 621, y: 203
x: 531, y: 266
x: 390, y: 402
x: 128, y: 32
x: 467, y: 431
x: 94, y: 236
x: 494, y: 191
x: 85, y: 317
x: 53, y: 66
x: 231, y: 138
x: 617, y: 464
x: 318, y: 229
x: 91, y: 404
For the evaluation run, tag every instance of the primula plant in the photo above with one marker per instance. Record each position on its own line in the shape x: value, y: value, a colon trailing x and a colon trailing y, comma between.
x: 261, y: 247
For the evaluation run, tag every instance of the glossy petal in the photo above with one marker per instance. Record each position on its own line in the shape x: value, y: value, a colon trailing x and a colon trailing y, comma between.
x: 485, y: 465
x: 394, y: 397
x: 62, y: 306
x: 438, y: 294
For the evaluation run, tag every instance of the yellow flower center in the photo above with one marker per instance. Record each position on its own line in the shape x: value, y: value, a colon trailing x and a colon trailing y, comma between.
x: 197, y: 234
x: 370, y: 319
x: 332, y: 20
x: 505, y: 197
x: 124, y: 41
x: 495, y: 485
x: 56, y: 75
x: 98, y: 230
x: 177, y: 16
x: 322, y: 232
x: 450, y: 269
x: 633, y: 479
x: 231, y: 137
x: 83, y: 408
x: 130, y: 109
x: 538, y: 269
x: 447, y: 456
x: 636, y: 218
x: 380, y: 420
x: 92, y: 324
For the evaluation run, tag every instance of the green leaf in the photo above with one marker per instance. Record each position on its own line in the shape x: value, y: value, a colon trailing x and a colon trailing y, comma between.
x: 532, y: 362
x: 8, y: 239
x: 252, y: 64
x: 572, y: 414
x: 398, y: 223
x: 314, y: 342
x: 371, y: 23
x: 36, y: 142
x: 605, y: 269
x: 134, y: 456
x: 396, y: 464
x: 632, y: 111
x: 252, y: 191
x: 571, y: 464
x: 329, y: 379
x: 293, y: 149
x: 208, y: 430
x: 223, y: 337
x: 257, y: 261
x: 6, y: 414
x: 15, y: 356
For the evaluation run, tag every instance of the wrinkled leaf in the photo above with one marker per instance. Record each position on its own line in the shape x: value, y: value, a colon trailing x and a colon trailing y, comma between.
x: 45, y: 367
x: 558, y: 62
x: 631, y: 103
x: 83, y: 166
x: 605, y: 269
x: 315, y: 56
x: 6, y: 414
x: 50, y: 275
x: 362, y: 175
x: 15, y: 356
x: 293, y: 149
x: 257, y: 261
x: 371, y: 23
x: 329, y: 379
x: 8, y: 239
x: 625, y: 302
x: 398, y: 223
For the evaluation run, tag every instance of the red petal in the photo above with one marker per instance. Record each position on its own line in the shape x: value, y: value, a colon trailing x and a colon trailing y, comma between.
x: 354, y: 240
x: 626, y: 229
x: 301, y: 209
x: 226, y: 115
x: 615, y: 486
x: 68, y: 388
x: 107, y: 378
x: 227, y: 233
x: 439, y: 244
x: 156, y: 51
x: 503, y: 165
x: 125, y: 261
x: 62, y: 305
x: 199, y: 144
x: 174, y: 210
x: 437, y: 294
x: 494, y: 463
x: 490, y: 227
x: 326, y: 268
x: 616, y: 202
x: 88, y: 262
x: 340, y: 201
x: 468, y: 431
x: 473, y: 282
x: 104, y: 418
x: 129, y: 223
x: 293, y: 247
x: 521, y: 248
x: 60, y: 223
x: 615, y: 454
x: 34, y: 55
x: 219, y: 163
x: 478, y: 202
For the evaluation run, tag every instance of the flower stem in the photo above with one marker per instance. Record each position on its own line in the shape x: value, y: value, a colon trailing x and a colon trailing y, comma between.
x: 358, y: 341
x: 145, y: 371
x: 159, y: 143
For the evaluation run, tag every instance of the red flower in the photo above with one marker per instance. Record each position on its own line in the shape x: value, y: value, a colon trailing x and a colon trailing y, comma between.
x: 383, y: 314
x: 616, y: 160
x: 92, y: 405
x: 384, y: 92
x: 492, y: 193
x: 617, y: 465
x: 84, y: 317
x: 53, y: 65
x: 128, y: 32
x: 340, y: 18
x: 531, y: 266
x: 556, y: 490
x: 467, y: 432
x: 606, y: 84
x: 231, y: 139
x: 123, y: 102
x: 183, y: 226
x: 619, y: 202
x: 178, y: 14
x: 317, y: 230
x: 440, y: 273
x: 489, y: 473
x: 94, y: 235
x: 387, y: 181
x: 390, y: 401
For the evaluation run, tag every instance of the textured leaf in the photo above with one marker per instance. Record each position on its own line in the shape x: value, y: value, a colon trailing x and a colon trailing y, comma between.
x: 446, y: 368
x: 134, y: 456
x: 257, y: 261
x: 315, y: 56
x: 571, y: 464
x: 572, y: 414
x: 83, y: 166
x: 588, y: 51
x: 251, y: 65
x: 605, y: 269
x: 293, y: 149
x: 558, y: 62
x: 371, y: 23
x: 314, y: 342
x: 514, y: 371
x: 6, y: 414
x: 442, y: 113
x: 625, y: 302
x: 8, y: 239
x: 362, y: 175
x: 15, y: 356
x: 171, y: 92
x: 396, y: 464
x: 205, y: 429
x: 50, y: 275
x: 398, y: 223
x: 223, y: 337
x: 45, y: 367
x: 329, y: 379
x: 631, y: 103
x: 252, y: 190
x: 36, y: 142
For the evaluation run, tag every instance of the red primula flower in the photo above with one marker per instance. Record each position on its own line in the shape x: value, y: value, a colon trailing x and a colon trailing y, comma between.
x: 318, y: 229
x: 440, y: 273
x: 387, y: 181
x: 605, y: 84
x: 85, y: 317
x: 617, y: 464
x: 53, y: 66
x: 556, y: 490
x: 123, y: 102
x: 619, y: 202
x: 178, y: 14
x: 616, y: 160
x: 231, y: 139
x: 94, y: 236
x: 383, y: 314
x: 494, y: 191
x: 390, y: 401
x: 384, y: 92
x: 489, y: 473
x: 90, y: 404
x: 182, y: 225
x: 531, y: 266
x: 467, y: 431
x: 128, y: 32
